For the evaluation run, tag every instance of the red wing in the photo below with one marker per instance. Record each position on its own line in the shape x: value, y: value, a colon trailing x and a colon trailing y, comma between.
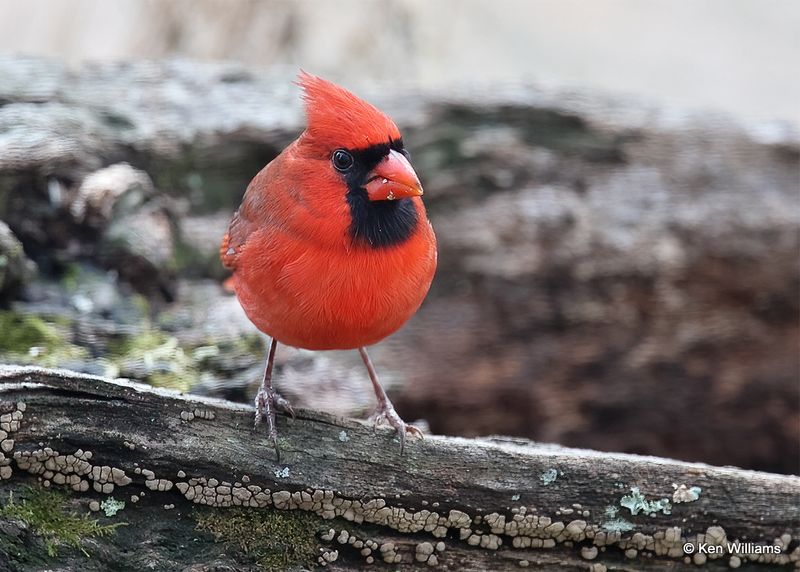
x: 244, y: 221
x: 238, y: 231
x: 256, y: 211
x: 227, y: 250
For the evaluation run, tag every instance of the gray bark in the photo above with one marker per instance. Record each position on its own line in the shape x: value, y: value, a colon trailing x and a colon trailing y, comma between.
x: 580, y: 506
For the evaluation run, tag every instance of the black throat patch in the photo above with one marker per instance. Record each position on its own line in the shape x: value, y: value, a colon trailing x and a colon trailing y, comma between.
x: 379, y: 224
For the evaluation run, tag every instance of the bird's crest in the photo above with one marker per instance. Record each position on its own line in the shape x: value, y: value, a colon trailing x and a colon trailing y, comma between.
x: 337, y: 118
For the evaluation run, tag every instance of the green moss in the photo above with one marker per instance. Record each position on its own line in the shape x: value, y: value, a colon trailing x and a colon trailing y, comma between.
x: 25, y: 338
x: 273, y: 539
x: 71, y: 278
x: 45, y: 512
x: 154, y: 357
x: 216, y: 353
x: 141, y: 304
x: 23, y: 331
x: 244, y: 345
x: 146, y: 341
x: 169, y: 380
x: 251, y: 344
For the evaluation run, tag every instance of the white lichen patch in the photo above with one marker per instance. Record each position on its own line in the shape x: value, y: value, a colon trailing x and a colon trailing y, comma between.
x: 548, y: 477
x: 112, y: 506
x: 614, y: 524
x: 683, y: 494
x: 636, y: 502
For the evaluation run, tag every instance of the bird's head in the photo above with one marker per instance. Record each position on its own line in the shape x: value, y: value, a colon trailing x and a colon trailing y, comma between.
x: 362, y: 146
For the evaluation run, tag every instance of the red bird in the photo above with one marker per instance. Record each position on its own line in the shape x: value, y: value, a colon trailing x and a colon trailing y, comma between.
x: 331, y: 248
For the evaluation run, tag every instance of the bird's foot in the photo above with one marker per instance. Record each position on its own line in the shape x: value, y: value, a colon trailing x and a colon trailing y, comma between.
x: 283, y: 405
x: 267, y: 402
x: 387, y: 414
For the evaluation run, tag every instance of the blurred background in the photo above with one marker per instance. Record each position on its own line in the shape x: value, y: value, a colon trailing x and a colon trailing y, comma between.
x: 615, y: 186
x: 725, y: 55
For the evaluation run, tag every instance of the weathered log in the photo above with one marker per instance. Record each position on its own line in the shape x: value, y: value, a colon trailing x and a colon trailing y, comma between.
x: 493, y: 504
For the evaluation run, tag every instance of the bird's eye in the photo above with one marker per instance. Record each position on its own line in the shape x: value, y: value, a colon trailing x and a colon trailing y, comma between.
x: 342, y: 160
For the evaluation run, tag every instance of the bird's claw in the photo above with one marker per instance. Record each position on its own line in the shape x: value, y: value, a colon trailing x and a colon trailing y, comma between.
x: 267, y: 402
x: 386, y: 414
x: 266, y: 406
x: 284, y: 406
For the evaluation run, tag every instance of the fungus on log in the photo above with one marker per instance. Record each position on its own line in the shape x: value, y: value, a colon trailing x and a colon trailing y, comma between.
x: 199, y: 485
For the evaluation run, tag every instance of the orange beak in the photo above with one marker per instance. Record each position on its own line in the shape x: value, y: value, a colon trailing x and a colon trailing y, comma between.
x: 393, y: 179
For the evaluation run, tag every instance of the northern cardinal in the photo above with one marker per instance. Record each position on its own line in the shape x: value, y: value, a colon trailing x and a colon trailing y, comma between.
x: 331, y: 248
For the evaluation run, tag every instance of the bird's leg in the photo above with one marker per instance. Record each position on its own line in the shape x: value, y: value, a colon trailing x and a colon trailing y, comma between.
x: 268, y: 400
x: 385, y: 410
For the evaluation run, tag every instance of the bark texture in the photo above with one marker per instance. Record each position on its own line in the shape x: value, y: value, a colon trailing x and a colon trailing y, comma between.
x: 493, y: 504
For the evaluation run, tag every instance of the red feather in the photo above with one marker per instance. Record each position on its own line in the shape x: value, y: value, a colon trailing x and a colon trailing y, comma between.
x: 337, y: 118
